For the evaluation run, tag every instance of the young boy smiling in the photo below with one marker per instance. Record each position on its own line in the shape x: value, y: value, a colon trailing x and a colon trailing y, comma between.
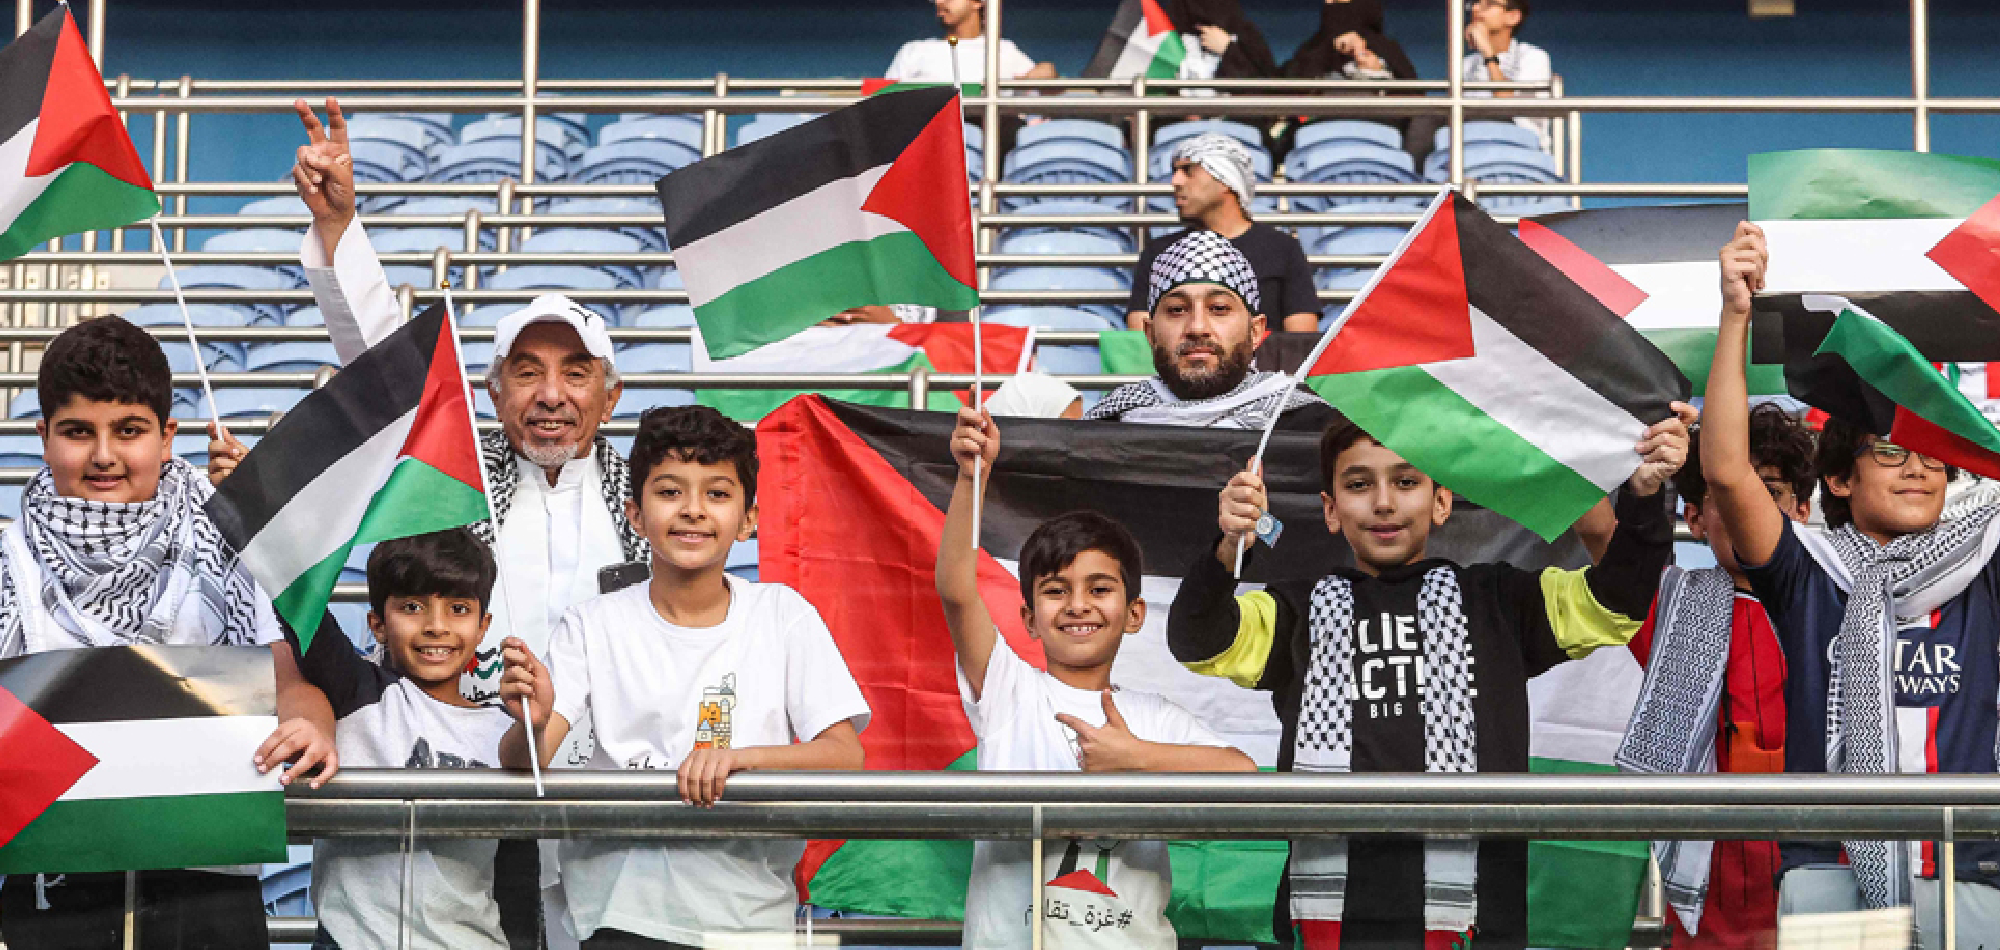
x: 428, y: 598
x: 1079, y: 583
x: 113, y: 549
x: 694, y: 671
x: 1406, y: 664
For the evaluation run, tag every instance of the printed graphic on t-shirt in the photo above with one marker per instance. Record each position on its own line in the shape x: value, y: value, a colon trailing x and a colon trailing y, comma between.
x: 1927, y: 666
x: 1388, y: 665
x: 712, y: 729
x: 421, y: 757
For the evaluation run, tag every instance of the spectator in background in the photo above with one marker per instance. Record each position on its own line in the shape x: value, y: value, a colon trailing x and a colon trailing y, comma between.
x: 929, y: 60
x: 1214, y: 183
x: 1223, y: 43
x: 1494, y: 55
x: 1352, y: 45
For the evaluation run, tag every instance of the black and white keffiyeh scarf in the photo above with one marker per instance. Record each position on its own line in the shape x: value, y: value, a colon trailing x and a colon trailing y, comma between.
x: 1224, y: 158
x: 1890, y: 586
x: 1673, y: 725
x: 1249, y: 406
x: 120, y: 574
x: 503, y: 475
x: 1202, y: 257
x: 1324, y: 742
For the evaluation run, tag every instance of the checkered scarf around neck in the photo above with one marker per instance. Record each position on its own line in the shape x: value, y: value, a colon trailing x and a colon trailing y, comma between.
x: 503, y: 476
x: 1202, y: 257
x: 1889, y: 586
x: 1673, y: 725
x: 1248, y: 406
x: 1224, y: 158
x: 119, y: 574
x: 1324, y: 742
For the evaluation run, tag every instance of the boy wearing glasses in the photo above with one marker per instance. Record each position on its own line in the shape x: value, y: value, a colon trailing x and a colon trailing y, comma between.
x: 1890, y: 623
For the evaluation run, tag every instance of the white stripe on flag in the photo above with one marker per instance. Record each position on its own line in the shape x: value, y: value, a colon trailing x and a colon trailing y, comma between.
x: 325, y: 513
x: 1137, y: 56
x: 817, y: 221
x: 1853, y: 256
x: 1678, y: 294
x: 1518, y: 387
x: 858, y: 348
x: 17, y: 191
x: 146, y: 758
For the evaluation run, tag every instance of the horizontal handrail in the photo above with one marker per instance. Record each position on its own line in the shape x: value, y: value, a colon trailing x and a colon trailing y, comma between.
x: 883, y: 381
x: 1001, y: 805
x: 607, y: 190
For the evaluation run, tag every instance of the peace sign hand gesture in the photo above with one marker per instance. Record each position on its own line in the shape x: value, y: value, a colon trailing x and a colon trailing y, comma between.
x: 324, y: 172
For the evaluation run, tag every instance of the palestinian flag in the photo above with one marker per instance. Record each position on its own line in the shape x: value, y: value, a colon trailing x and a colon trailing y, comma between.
x: 1141, y: 41
x: 1844, y: 361
x: 1486, y: 367
x: 852, y: 520
x: 872, y: 87
x: 1656, y: 267
x: 1910, y: 238
x: 864, y: 348
x: 66, y: 162
x: 864, y: 206
x: 137, y: 758
x: 385, y: 450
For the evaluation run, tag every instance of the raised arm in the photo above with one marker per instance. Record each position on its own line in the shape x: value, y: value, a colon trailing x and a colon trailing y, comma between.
x: 972, y: 631
x: 347, y: 279
x: 1754, y: 520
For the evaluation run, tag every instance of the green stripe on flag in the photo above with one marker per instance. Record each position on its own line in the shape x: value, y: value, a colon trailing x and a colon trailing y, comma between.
x: 1888, y: 362
x: 415, y: 499
x: 891, y: 269
x: 80, y: 198
x: 138, y: 834
x: 921, y: 879
x: 1583, y: 894
x: 1449, y: 439
x: 1693, y: 350
x: 1125, y: 353
x: 751, y: 405
x: 1826, y: 183
x: 1167, y: 58
x: 1224, y: 890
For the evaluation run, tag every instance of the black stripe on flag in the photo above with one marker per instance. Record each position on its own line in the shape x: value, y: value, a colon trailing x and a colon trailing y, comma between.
x: 366, y: 396
x: 1649, y: 235
x: 119, y: 684
x: 1533, y: 300
x: 1128, y: 20
x: 24, y: 73
x: 1161, y: 482
x: 715, y: 193
x: 1946, y: 326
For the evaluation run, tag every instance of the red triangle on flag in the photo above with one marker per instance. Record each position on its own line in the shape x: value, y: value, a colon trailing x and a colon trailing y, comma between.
x: 1611, y: 289
x: 442, y: 436
x: 1083, y: 881
x: 37, y: 765
x: 1971, y: 253
x: 925, y: 191
x: 1417, y: 312
x: 78, y: 123
x: 1156, y: 19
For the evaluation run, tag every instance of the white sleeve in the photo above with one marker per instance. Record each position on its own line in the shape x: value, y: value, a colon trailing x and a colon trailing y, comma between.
x: 1534, y: 65
x: 352, y: 291
x: 1013, y: 63
x: 820, y: 693
x: 569, y: 669
x: 1007, y: 677
x: 899, y: 66
x: 1177, y: 726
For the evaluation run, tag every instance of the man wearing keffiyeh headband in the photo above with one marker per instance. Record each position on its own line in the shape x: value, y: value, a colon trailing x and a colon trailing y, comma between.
x: 1203, y: 323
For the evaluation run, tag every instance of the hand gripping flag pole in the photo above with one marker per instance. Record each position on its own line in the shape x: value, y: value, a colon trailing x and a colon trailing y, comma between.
x: 1312, y: 359
x: 978, y: 336
x: 493, y: 515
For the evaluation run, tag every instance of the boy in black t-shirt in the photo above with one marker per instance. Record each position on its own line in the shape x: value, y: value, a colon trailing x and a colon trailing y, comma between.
x: 1404, y: 664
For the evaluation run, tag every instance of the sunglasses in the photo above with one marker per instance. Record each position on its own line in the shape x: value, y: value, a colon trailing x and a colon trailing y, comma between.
x: 1891, y: 455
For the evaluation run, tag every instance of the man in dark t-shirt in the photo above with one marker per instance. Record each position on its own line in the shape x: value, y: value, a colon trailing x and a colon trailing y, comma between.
x: 1213, y: 185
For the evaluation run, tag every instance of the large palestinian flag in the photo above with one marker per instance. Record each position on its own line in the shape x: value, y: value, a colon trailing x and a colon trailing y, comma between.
x: 1141, y: 41
x: 135, y: 758
x: 864, y: 206
x: 852, y: 516
x: 66, y: 163
x: 1856, y: 368
x: 385, y: 450
x: 1910, y: 238
x: 863, y: 348
x: 1491, y: 371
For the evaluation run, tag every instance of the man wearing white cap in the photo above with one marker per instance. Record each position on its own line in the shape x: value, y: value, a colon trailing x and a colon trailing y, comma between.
x: 1214, y: 184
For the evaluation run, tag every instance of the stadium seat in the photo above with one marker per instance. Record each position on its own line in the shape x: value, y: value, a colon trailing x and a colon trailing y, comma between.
x: 1344, y: 130
x: 353, y: 621
x: 1488, y: 133
x: 576, y: 240
x: 290, y: 356
x: 236, y: 402
x: 1495, y: 163
x: 766, y: 124
x: 742, y: 560
x: 1064, y: 359
x: 418, y: 240
x: 305, y: 317
x: 192, y: 446
x: 1065, y: 161
x: 664, y: 316
x: 412, y: 134
x: 1071, y: 130
x: 436, y: 205
x: 260, y: 240
x: 1068, y: 278
x: 386, y: 162
x: 653, y: 357
x: 287, y: 205
x: 239, y: 277
x: 492, y: 160
x: 1347, y: 162
x: 220, y: 359
x: 682, y: 128
x: 555, y: 277
x: 565, y: 135
x: 20, y: 451
x: 1169, y: 136
x: 1069, y: 206
x: 201, y: 315
x: 653, y: 239
x: 1067, y: 242
x: 355, y: 569
x: 477, y: 355
x: 632, y: 162
x: 437, y: 125
x: 10, y: 501
x: 25, y: 405
x: 1357, y: 240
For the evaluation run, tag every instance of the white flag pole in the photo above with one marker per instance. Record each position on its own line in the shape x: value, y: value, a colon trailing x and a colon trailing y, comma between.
x: 1443, y: 196
x: 187, y: 322
x: 978, y: 337
x: 492, y: 515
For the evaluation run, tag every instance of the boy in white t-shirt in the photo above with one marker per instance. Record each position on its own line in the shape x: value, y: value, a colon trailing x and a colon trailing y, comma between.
x: 428, y: 598
x: 1080, y: 579
x: 695, y: 671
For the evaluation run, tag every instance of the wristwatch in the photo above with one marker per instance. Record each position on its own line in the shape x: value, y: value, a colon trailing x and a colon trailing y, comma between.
x: 1492, y: 60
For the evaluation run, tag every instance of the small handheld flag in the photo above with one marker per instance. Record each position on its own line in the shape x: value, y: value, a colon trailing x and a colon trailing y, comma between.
x: 1141, y: 41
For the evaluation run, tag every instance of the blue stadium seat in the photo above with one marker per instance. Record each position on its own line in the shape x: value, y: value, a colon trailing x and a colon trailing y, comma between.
x: 1066, y: 242
x: 288, y: 205
x: 1169, y: 136
x: 1356, y: 240
x: 476, y: 354
x: 564, y: 135
x: 1065, y: 160
x: 201, y: 315
x: 25, y: 405
x: 1072, y: 130
x: 633, y: 161
x: 1068, y: 278
x: 742, y: 560
x: 288, y: 887
x: 239, y: 277
x: 577, y: 240
x: 1345, y: 130
x: 664, y: 316
x: 191, y: 444
x: 412, y: 134
x: 1062, y: 360
x: 681, y: 128
x: 353, y: 620
x: 305, y: 317
x: 221, y: 359
x: 543, y: 277
x: 1489, y: 133
x: 653, y: 357
x: 377, y: 161
x: 10, y: 501
x: 238, y: 402
x: 444, y: 205
x: 290, y: 356
x: 1348, y: 163
x: 766, y: 124
x: 437, y: 125
x: 1064, y: 206
x: 1496, y: 163
x: 355, y: 569
x: 260, y: 240
x: 492, y: 160
x: 20, y: 451
x: 482, y: 403
x: 419, y: 240
x: 652, y: 239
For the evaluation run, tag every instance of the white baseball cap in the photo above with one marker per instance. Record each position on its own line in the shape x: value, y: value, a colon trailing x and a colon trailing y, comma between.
x: 555, y: 308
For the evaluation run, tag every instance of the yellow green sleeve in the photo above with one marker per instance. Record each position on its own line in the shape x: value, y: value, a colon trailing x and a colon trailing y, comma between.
x: 1243, y: 663
x: 1579, y: 622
